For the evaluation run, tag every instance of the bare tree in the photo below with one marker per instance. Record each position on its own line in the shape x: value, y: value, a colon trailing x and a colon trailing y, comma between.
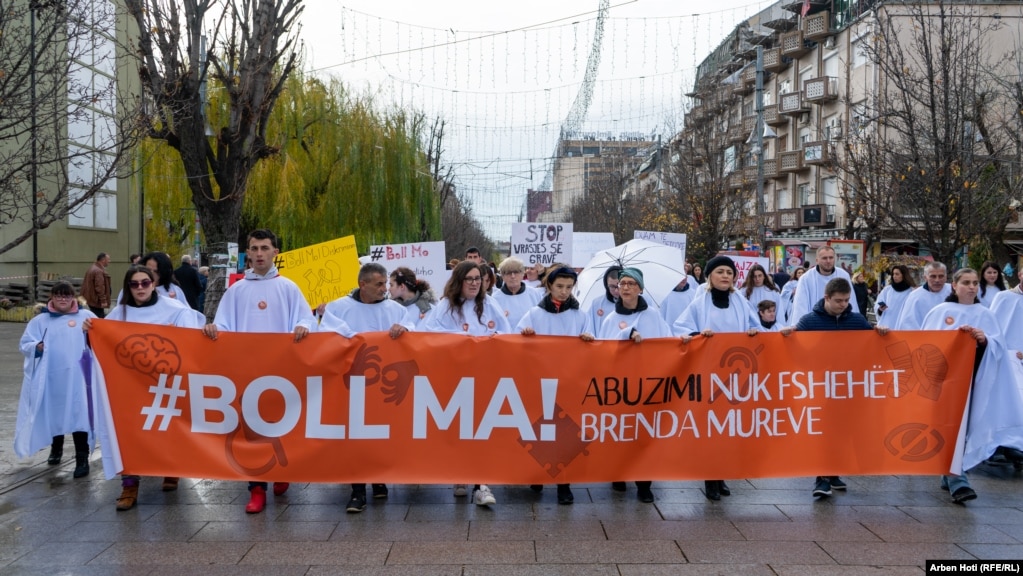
x: 66, y: 132
x: 604, y: 206
x: 252, y: 52
x: 928, y: 157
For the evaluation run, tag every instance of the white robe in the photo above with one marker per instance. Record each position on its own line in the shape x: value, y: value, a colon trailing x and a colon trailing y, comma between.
x: 515, y: 306
x: 811, y: 290
x: 918, y: 304
x: 573, y: 322
x: 270, y: 303
x: 175, y: 293
x: 54, y: 399
x: 895, y: 301
x: 785, y: 300
x: 600, y: 309
x: 166, y: 312
x: 994, y: 414
x: 987, y: 298
x: 702, y: 314
x: 464, y: 321
x: 348, y: 316
x: 648, y: 323
x: 1008, y: 310
x: 759, y: 294
x: 676, y: 302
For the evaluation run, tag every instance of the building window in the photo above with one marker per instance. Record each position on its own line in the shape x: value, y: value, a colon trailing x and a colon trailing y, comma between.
x: 784, y: 200
x: 859, y: 53
x: 807, y: 195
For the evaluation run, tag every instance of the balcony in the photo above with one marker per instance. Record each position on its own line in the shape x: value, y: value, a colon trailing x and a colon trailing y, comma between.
x: 791, y: 161
x: 749, y: 75
x: 821, y: 90
x: 817, y: 26
x: 749, y: 174
x: 817, y: 153
x: 736, y: 134
x: 774, y: 61
x: 742, y: 88
x: 771, y: 168
x: 736, y: 180
x: 792, y: 104
x: 793, y: 45
x: 773, y: 118
x: 749, y: 123
x: 788, y: 219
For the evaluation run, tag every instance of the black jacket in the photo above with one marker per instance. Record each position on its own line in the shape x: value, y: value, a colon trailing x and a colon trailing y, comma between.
x: 819, y: 319
x: 188, y: 278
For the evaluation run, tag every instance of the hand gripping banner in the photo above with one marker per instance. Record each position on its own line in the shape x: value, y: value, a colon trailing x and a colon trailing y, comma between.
x: 438, y: 408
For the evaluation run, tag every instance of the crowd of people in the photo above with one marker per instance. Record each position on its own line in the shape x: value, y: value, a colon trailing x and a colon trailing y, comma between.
x: 481, y: 299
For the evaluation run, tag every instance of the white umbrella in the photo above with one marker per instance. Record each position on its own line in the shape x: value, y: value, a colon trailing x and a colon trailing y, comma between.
x: 663, y: 268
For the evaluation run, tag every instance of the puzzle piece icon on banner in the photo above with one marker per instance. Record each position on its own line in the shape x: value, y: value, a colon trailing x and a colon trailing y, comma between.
x: 554, y: 457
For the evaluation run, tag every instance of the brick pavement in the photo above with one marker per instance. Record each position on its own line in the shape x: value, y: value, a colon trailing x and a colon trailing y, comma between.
x: 884, y: 525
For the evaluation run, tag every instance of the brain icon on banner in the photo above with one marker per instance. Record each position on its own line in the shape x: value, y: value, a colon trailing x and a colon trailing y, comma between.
x: 324, y: 271
x: 426, y: 259
x: 542, y: 243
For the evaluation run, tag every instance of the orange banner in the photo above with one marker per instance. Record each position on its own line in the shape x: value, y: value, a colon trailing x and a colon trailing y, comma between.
x: 437, y: 408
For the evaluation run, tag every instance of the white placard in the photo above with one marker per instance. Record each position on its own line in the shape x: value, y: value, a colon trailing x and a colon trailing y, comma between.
x: 667, y: 238
x: 743, y: 265
x: 542, y: 243
x: 586, y: 244
x: 426, y: 259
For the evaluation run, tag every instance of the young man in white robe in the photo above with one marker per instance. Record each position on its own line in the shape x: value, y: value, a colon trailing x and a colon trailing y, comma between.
x: 264, y: 302
x: 810, y: 290
x: 923, y: 299
x: 678, y: 299
x: 367, y: 309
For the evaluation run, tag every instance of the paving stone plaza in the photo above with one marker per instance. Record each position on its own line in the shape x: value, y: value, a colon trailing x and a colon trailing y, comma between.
x: 52, y: 524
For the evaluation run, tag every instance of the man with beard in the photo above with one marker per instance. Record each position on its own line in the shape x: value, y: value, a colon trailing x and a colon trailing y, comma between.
x: 811, y: 285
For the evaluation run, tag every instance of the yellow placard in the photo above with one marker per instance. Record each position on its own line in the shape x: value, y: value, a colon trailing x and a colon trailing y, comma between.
x: 324, y: 271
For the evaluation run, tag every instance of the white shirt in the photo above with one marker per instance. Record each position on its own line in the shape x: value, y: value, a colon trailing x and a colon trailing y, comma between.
x: 270, y: 303
x: 516, y: 305
x: 811, y: 290
x: 349, y: 316
x: 918, y: 304
x: 464, y: 319
x: 702, y: 315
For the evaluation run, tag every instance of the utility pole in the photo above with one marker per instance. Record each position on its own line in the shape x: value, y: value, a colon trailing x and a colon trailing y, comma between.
x: 759, y: 139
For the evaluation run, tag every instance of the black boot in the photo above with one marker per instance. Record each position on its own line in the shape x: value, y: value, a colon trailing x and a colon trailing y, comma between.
x: 81, y: 464
x: 713, y: 489
x: 56, y: 451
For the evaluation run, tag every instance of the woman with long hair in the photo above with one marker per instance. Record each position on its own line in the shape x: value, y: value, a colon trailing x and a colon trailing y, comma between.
x: 54, y: 398
x: 760, y: 286
x: 142, y: 303
x: 410, y: 291
x: 788, y: 295
x: 163, y: 272
x: 991, y: 283
x: 698, y: 273
x: 891, y: 299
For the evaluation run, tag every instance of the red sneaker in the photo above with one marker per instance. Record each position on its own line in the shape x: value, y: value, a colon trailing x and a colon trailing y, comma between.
x: 280, y: 488
x: 257, y: 500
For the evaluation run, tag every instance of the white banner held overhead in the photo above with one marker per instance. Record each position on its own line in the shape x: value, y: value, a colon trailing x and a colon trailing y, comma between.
x: 586, y: 244
x: 426, y: 259
x: 667, y: 238
x: 542, y: 243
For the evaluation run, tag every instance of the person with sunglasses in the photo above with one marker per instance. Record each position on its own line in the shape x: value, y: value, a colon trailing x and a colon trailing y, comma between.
x: 53, y: 398
x: 466, y: 309
x: 142, y: 304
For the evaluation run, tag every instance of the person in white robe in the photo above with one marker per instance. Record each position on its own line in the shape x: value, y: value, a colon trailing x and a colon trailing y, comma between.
x: 767, y: 311
x: 993, y: 420
x: 604, y: 305
x: 812, y: 283
x: 54, y: 396
x: 787, y: 297
x: 718, y: 308
x: 264, y: 302
x: 678, y: 299
x: 892, y: 299
x: 514, y: 297
x: 166, y: 285
x: 923, y: 299
x: 633, y: 320
x: 759, y: 287
x: 465, y: 309
x: 141, y: 304
x: 1008, y: 310
x: 558, y: 314
x: 367, y: 309
x: 991, y: 282
x: 411, y: 292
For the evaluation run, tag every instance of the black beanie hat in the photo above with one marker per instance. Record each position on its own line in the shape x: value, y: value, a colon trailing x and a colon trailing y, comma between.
x: 719, y: 261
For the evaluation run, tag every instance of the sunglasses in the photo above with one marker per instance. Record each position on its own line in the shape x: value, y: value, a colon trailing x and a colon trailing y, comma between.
x: 140, y: 283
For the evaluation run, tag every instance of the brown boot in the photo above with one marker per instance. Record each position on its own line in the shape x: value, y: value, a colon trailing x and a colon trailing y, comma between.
x: 128, y: 498
x: 170, y: 484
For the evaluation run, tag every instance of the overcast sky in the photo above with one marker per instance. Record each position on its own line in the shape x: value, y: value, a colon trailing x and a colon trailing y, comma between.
x: 505, y: 96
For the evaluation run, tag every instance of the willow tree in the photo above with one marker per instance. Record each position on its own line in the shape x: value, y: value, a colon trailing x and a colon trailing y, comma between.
x: 343, y: 167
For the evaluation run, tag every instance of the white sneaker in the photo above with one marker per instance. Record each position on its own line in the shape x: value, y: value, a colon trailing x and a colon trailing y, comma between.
x: 461, y: 489
x: 484, y: 497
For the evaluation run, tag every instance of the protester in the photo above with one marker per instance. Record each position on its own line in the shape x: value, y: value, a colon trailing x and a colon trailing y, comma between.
x: 922, y: 300
x: 533, y: 276
x: 54, y: 397
x: 759, y: 286
x: 893, y: 297
x: 833, y: 312
x: 204, y: 276
x: 604, y: 305
x: 678, y: 299
x: 465, y: 309
x: 558, y: 314
x: 515, y: 298
x: 698, y: 273
x: 718, y: 308
x: 1007, y: 307
x: 166, y: 285
x: 263, y: 301
x: 134, y: 259
x: 142, y: 303
x: 781, y: 278
x: 187, y: 277
x: 472, y: 254
x: 862, y: 292
x: 367, y: 309
x: 96, y: 286
x: 991, y: 283
x: 411, y: 292
x: 767, y: 310
x: 811, y: 284
x: 788, y: 294
x: 633, y: 320
x: 995, y: 413
x: 489, y: 278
